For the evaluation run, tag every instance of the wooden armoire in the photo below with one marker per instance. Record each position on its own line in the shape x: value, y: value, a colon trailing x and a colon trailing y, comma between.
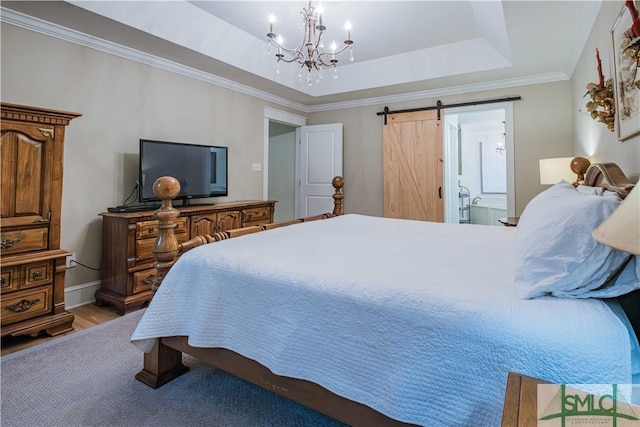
x: 31, y: 261
x: 413, y: 166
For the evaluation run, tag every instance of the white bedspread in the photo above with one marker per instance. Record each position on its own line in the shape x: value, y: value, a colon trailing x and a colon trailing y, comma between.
x: 418, y: 320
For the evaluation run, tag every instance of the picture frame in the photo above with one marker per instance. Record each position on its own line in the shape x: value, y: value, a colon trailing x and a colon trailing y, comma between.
x: 626, y: 75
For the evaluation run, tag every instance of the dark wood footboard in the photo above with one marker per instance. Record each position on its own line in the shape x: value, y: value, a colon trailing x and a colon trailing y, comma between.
x: 165, y: 363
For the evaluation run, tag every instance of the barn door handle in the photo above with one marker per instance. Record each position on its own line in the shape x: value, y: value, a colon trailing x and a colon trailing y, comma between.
x: 440, y: 192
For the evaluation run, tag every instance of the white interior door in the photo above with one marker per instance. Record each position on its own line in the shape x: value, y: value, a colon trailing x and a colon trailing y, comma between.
x: 320, y: 160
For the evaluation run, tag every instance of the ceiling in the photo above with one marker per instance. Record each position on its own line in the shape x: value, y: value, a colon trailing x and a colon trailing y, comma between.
x: 400, y: 47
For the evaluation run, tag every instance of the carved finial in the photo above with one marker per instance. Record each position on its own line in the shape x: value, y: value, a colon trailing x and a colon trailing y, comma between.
x: 579, y: 166
x: 166, y: 188
x: 338, y: 183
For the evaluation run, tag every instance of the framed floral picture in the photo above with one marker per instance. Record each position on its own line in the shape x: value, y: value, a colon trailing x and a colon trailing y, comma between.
x: 625, y: 36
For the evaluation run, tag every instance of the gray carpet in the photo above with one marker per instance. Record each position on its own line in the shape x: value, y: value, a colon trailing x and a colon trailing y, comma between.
x: 87, y: 379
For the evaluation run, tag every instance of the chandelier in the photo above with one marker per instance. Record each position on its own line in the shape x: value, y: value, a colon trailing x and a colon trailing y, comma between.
x: 310, y: 54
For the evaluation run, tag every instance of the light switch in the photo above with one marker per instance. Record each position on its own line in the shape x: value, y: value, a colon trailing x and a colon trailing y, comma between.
x: 256, y: 167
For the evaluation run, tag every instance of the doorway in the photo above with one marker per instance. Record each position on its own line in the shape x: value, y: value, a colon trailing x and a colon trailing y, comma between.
x: 479, y: 163
x: 281, y: 170
x: 299, y: 164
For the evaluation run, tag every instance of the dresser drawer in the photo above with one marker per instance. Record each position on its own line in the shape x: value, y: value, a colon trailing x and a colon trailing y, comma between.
x: 23, y: 305
x: 26, y: 276
x: 146, y: 229
x: 144, y: 247
x: 19, y: 241
x: 143, y: 280
x: 10, y: 280
x: 256, y: 216
x: 37, y: 274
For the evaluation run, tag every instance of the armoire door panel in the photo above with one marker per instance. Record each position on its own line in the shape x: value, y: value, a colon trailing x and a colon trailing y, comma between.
x: 24, y: 177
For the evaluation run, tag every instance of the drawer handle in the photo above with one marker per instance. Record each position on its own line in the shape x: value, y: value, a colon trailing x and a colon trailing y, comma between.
x: 150, y: 230
x: 37, y: 275
x: 6, y: 244
x: 23, y: 305
x: 2, y: 281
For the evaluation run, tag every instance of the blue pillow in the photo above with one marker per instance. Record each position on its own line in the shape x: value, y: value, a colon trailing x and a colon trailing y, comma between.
x: 555, y: 252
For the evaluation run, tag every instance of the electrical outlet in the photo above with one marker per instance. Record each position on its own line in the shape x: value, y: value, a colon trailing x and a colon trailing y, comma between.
x: 71, y: 260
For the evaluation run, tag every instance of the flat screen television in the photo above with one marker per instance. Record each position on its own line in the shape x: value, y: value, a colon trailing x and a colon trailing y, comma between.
x: 200, y: 169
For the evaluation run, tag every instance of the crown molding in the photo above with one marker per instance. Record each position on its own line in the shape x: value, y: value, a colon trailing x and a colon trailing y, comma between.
x: 31, y: 23
x: 21, y: 20
x: 455, y: 90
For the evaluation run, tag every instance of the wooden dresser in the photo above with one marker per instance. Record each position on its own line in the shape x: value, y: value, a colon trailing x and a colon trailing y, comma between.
x: 32, y: 263
x: 128, y: 240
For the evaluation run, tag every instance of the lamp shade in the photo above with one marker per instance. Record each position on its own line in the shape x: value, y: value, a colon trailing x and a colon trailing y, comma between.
x: 621, y: 230
x: 555, y: 170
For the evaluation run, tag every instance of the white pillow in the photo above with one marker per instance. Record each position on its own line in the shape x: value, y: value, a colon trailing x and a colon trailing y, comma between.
x: 587, y: 189
x: 597, y: 191
x: 555, y: 253
x: 612, y: 194
x: 626, y: 281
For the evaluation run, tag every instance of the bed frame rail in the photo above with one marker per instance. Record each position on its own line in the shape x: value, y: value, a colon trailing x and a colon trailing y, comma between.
x: 167, y: 249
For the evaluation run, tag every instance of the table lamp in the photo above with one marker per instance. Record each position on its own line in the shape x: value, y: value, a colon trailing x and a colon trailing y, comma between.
x: 555, y: 170
x: 571, y: 169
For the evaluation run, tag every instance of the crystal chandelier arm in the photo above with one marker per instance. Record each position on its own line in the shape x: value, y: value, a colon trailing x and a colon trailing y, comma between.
x: 322, y: 55
x: 296, y: 54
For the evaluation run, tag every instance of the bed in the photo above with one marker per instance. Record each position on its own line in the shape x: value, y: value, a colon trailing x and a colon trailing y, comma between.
x: 377, y: 321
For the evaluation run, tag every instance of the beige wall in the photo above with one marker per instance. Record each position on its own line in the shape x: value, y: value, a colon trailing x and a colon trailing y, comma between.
x: 592, y: 138
x: 542, y: 129
x: 121, y: 102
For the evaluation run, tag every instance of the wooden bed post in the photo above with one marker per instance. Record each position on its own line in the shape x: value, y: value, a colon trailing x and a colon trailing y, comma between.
x: 338, y: 183
x: 166, y: 247
x: 161, y: 365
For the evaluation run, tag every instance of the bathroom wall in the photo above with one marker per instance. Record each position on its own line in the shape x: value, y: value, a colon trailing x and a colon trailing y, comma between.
x: 480, y: 153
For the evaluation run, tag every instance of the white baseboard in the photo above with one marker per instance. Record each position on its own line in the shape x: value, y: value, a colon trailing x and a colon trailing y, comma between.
x: 75, y: 296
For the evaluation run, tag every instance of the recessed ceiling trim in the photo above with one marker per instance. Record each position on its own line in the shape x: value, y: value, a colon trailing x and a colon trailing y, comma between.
x: 27, y: 22
x: 217, y: 39
x: 492, y: 25
x: 462, y: 57
x: 434, y: 93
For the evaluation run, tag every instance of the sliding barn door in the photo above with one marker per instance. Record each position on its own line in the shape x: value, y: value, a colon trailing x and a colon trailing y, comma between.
x: 413, y: 166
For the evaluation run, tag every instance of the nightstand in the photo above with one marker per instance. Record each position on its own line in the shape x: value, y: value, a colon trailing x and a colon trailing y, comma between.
x: 511, y: 221
x: 521, y: 401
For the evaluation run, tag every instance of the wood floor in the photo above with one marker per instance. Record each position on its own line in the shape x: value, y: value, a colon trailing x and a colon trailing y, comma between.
x: 86, y: 316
